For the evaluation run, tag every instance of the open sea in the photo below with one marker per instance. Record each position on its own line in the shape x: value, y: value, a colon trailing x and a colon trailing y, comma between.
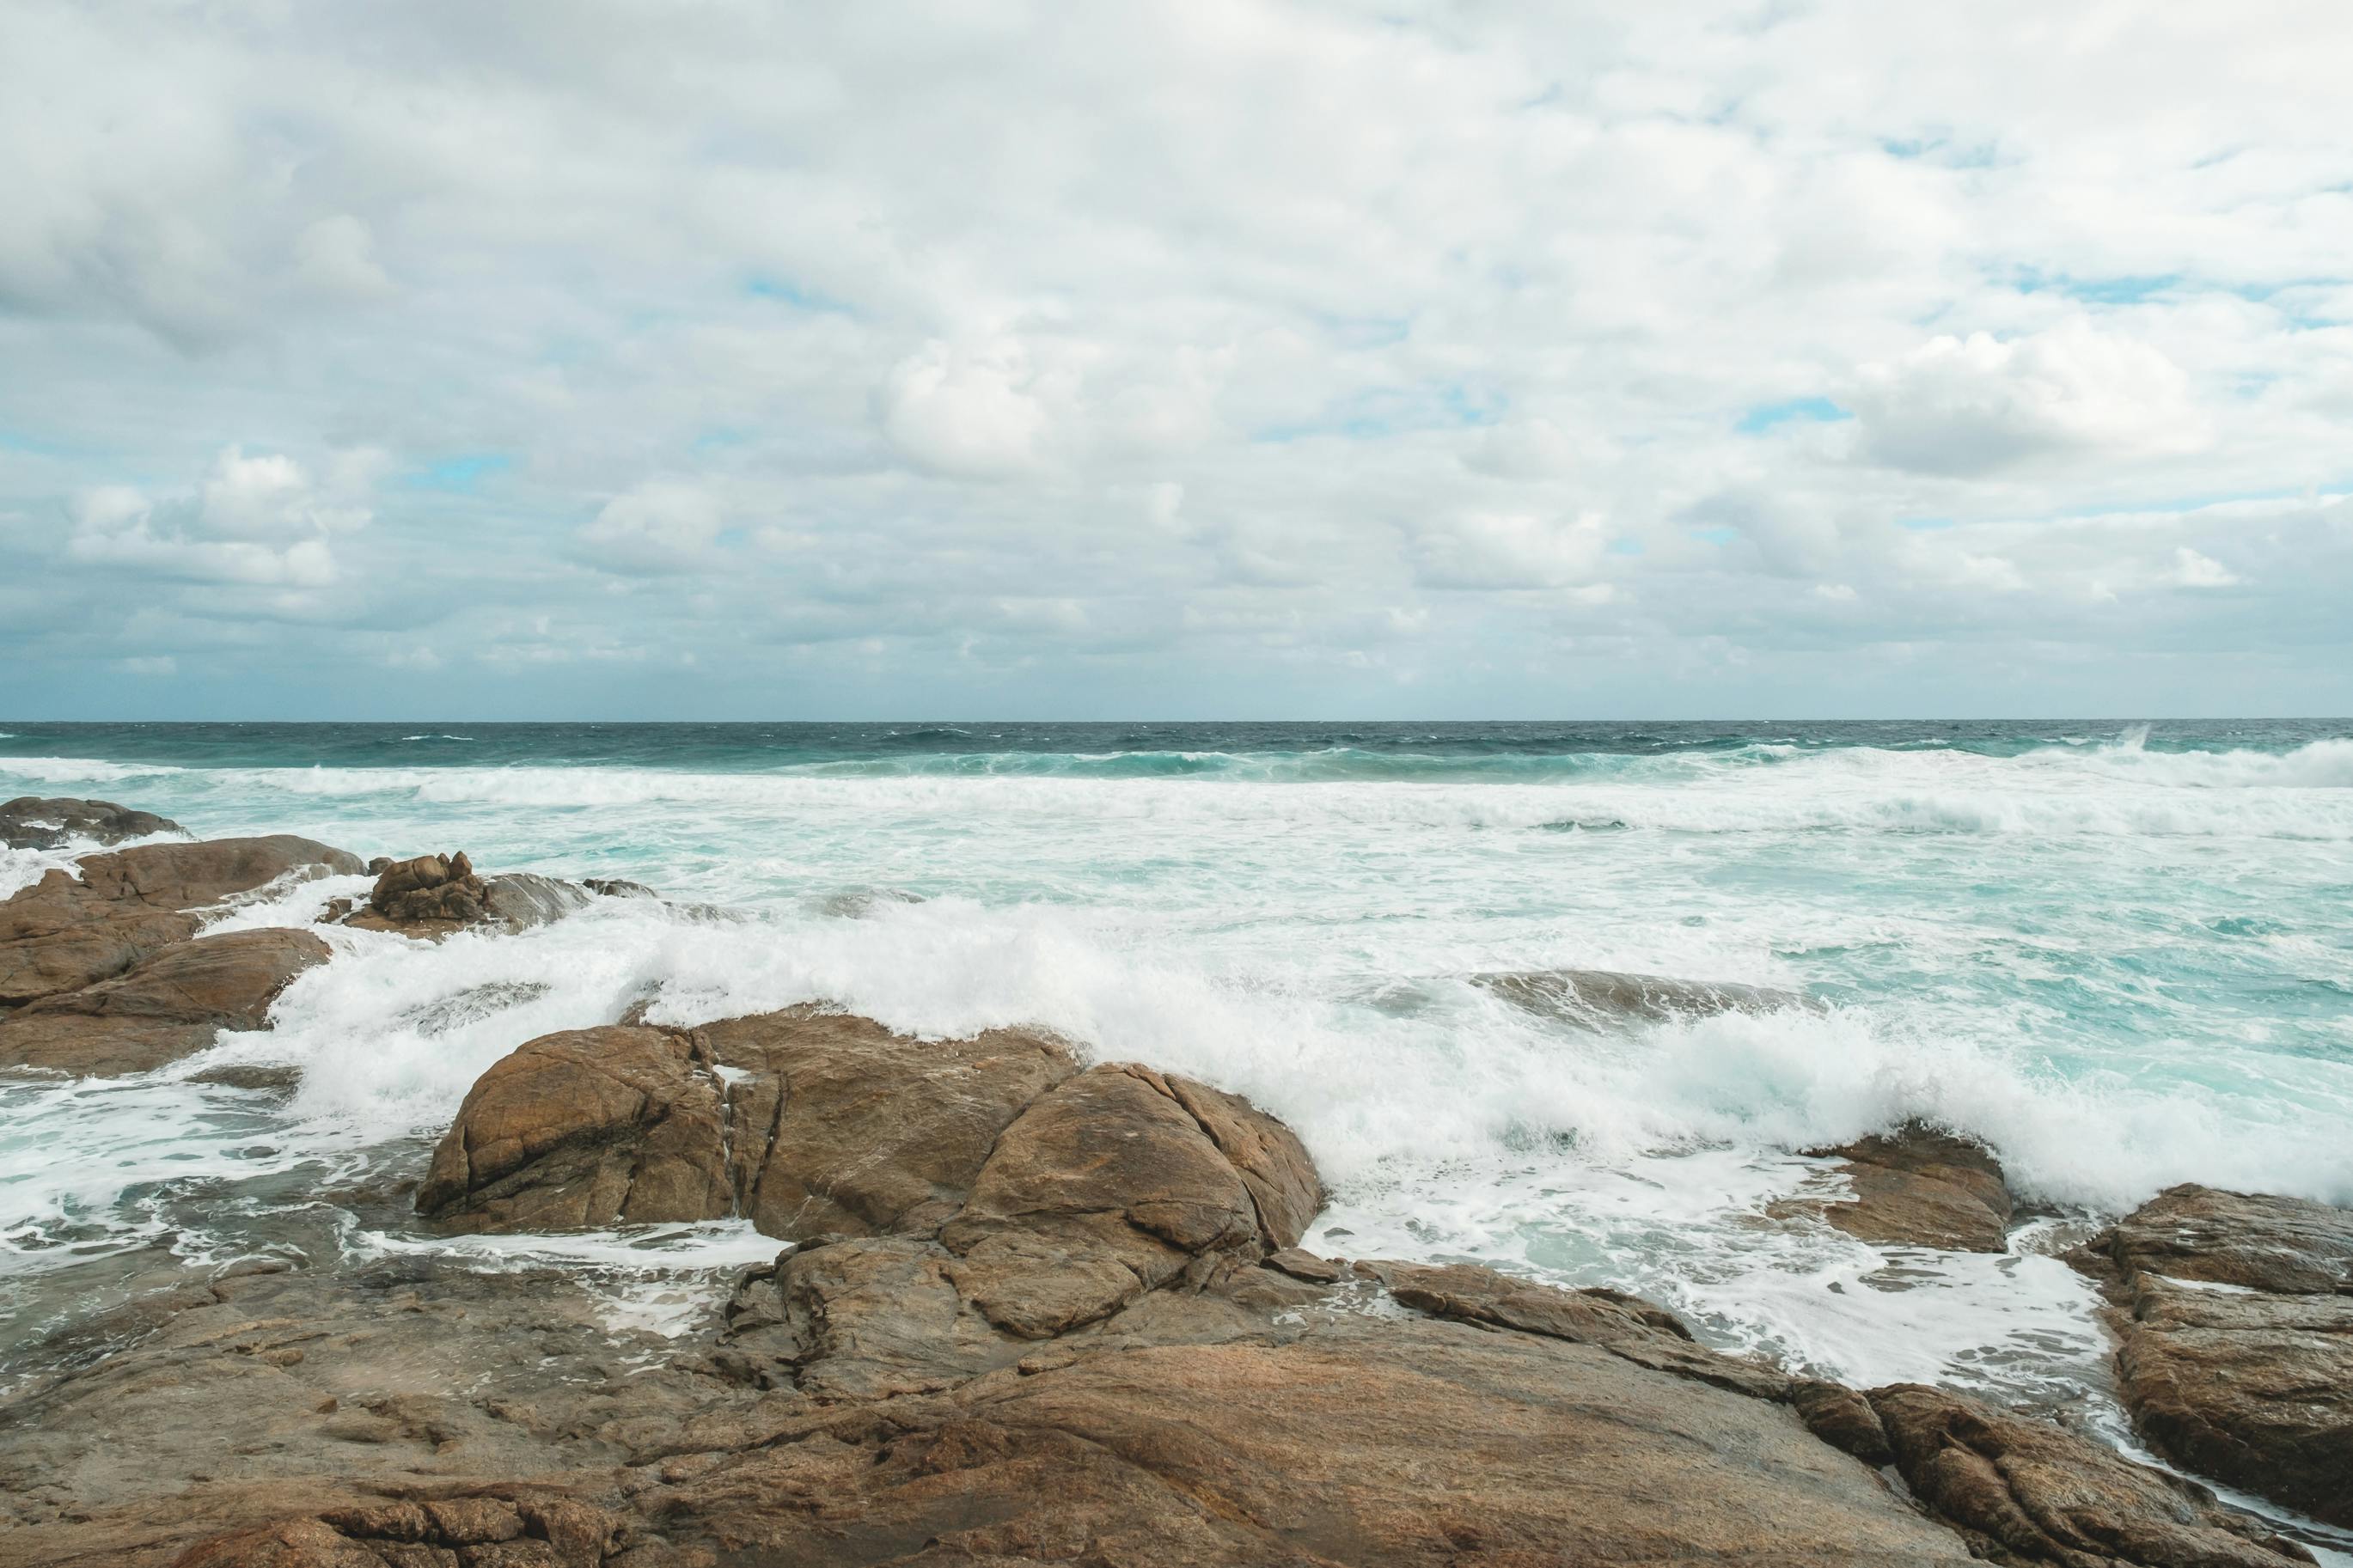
x: 2120, y: 954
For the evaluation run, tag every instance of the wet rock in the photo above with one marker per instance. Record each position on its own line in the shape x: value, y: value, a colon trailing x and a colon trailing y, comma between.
x: 67, y: 932
x: 2254, y: 1389
x: 1919, y: 1186
x: 432, y: 896
x: 590, y: 1127
x: 1601, y: 999
x: 33, y: 822
x: 618, y: 888
x: 166, y: 1006
x: 2262, y: 1242
x: 2043, y: 1494
x: 2247, y: 1376
x: 523, y: 900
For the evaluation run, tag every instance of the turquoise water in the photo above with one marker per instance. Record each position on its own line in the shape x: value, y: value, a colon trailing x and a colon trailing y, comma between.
x: 2122, y: 955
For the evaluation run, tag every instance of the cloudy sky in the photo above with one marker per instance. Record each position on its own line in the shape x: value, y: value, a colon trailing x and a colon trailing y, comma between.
x: 1771, y: 357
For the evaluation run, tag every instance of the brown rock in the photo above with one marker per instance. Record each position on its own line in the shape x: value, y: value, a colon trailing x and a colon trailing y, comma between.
x: 1413, y: 1442
x: 1922, y: 1187
x: 590, y: 1127
x: 2263, y: 1242
x: 2030, y: 1488
x: 65, y: 931
x: 166, y: 1006
x: 805, y: 1123
x: 2254, y: 1389
x: 842, y: 1127
x: 1105, y: 1188
x: 2250, y: 1378
x: 32, y: 822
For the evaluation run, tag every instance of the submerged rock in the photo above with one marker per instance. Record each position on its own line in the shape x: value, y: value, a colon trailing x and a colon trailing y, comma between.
x: 67, y: 932
x: 34, y: 822
x: 1599, y: 998
x: 2249, y: 1376
x: 1920, y: 1186
x: 164, y: 1007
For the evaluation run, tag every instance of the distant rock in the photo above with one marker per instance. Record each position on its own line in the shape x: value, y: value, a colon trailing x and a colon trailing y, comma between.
x: 33, y: 822
x: 1601, y: 999
x: 433, y: 896
x: 2248, y: 1376
x: 1920, y: 1186
x: 69, y: 931
x: 164, y: 1007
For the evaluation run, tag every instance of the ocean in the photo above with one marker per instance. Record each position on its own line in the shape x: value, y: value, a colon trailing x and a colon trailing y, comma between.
x: 2122, y: 955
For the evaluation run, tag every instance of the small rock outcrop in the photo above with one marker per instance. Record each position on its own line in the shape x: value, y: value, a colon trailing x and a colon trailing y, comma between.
x: 34, y: 822
x: 69, y: 931
x: 2247, y: 1373
x: 432, y: 896
x: 1600, y: 998
x: 1921, y: 1186
x: 164, y: 1007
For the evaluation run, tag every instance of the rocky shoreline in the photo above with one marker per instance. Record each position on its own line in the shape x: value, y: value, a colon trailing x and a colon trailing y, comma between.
x: 1031, y: 1309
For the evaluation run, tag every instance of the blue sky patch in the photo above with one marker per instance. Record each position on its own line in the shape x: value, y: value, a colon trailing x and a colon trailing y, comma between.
x: 1796, y: 410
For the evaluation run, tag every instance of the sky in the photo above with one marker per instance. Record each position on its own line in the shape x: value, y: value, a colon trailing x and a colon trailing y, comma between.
x: 1820, y: 358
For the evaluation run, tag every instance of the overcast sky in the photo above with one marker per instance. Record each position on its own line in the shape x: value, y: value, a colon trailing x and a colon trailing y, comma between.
x: 1204, y: 359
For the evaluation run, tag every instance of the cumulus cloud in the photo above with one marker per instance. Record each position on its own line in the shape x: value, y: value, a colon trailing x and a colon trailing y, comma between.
x: 1287, y: 357
x: 660, y: 527
x: 1978, y: 406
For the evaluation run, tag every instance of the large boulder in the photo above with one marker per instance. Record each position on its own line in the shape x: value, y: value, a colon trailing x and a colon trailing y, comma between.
x: 164, y: 1007
x: 811, y: 1125
x: 34, y: 822
x: 590, y: 1127
x: 1921, y: 1186
x: 69, y: 931
x: 2246, y: 1375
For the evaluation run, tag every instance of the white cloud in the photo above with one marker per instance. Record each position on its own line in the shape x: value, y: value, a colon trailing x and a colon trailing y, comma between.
x: 1975, y: 406
x: 660, y: 527
x: 1262, y: 336
x: 1510, y: 550
x: 2193, y: 570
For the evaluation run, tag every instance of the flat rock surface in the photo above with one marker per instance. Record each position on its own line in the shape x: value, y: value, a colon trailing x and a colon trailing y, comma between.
x: 166, y: 1006
x: 1919, y: 1186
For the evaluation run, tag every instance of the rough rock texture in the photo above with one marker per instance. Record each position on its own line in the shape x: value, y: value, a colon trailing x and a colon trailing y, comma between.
x: 2262, y: 1243
x: 1919, y: 1186
x: 2249, y: 1376
x: 164, y: 1007
x: 2032, y: 1490
x: 65, y: 931
x: 432, y: 896
x: 809, y: 1124
x: 1061, y: 1316
x: 1597, y: 998
x: 34, y: 822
